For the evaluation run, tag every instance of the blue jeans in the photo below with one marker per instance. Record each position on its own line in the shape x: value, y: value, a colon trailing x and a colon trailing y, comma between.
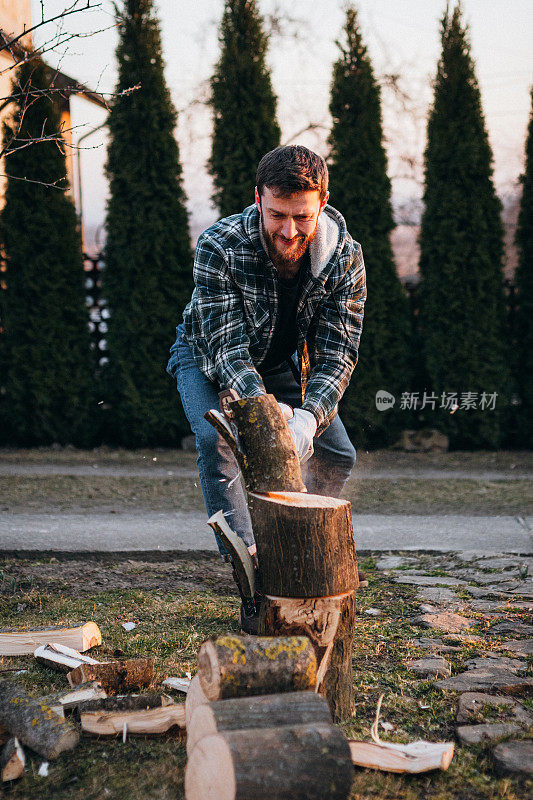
x: 327, y: 470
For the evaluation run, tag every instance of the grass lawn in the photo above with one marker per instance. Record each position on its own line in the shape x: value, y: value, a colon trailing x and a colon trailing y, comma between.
x: 177, y: 601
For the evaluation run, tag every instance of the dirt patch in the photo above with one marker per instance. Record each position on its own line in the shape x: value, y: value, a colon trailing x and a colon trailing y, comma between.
x: 80, y: 576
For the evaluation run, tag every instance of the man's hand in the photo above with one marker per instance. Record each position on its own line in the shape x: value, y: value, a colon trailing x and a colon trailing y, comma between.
x: 287, y: 411
x: 303, y: 428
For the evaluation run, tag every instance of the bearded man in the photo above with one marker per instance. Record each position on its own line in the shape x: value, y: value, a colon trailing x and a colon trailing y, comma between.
x: 277, y: 308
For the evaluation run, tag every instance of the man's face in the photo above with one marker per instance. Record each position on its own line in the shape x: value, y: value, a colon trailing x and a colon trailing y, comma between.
x: 289, y: 223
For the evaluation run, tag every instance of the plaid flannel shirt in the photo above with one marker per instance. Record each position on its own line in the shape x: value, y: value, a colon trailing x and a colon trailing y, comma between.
x: 229, y: 321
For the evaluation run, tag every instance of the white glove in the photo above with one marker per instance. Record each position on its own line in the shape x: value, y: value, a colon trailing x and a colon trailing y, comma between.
x: 287, y: 411
x: 303, y: 427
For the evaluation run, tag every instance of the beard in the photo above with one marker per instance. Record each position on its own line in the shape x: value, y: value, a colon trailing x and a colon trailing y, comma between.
x: 285, y: 258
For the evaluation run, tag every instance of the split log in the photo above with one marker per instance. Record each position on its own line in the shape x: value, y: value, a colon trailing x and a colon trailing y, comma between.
x: 82, y: 637
x: 412, y: 758
x: 128, y: 702
x: 12, y: 760
x: 328, y: 622
x: 115, y: 676
x: 34, y: 723
x: 301, y: 762
x: 264, y: 447
x: 262, y: 711
x: 305, y: 544
x: 195, y: 697
x: 57, y: 656
x: 65, y: 701
x: 150, y: 721
x: 239, y: 666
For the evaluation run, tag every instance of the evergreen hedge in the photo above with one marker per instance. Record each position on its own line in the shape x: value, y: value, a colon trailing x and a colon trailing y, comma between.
x: 47, y: 366
x: 244, y: 107
x: 148, y: 275
x: 523, y: 333
x: 462, y: 304
x: 361, y: 190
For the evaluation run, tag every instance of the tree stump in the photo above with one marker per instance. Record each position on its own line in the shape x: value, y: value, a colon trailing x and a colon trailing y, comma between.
x: 305, y: 550
x: 300, y: 762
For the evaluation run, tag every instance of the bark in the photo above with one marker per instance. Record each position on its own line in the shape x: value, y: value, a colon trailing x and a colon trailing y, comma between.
x: 115, y: 676
x: 305, y: 544
x: 265, y: 448
x: 300, y: 762
x: 262, y: 711
x: 239, y: 666
x: 129, y: 702
x: 34, y: 723
x: 12, y: 760
x: 329, y: 624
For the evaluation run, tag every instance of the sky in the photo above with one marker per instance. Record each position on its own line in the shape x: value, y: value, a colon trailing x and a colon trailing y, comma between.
x: 403, y: 41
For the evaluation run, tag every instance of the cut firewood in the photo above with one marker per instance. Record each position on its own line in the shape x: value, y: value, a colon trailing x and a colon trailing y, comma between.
x: 179, y: 684
x: 300, y: 762
x: 152, y: 720
x: 62, y: 658
x: 20, y: 643
x: 128, y: 702
x: 265, y: 450
x: 65, y: 701
x: 115, y: 676
x: 262, y: 711
x: 34, y: 723
x: 240, y: 666
x: 415, y: 757
x: 305, y: 544
x: 195, y: 697
x: 239, y: 554
x: 12, y: 760
x: 328, y: 622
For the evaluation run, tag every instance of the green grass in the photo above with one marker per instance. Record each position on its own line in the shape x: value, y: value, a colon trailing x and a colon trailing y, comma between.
x: 172, y: 623
x: 107, y: 493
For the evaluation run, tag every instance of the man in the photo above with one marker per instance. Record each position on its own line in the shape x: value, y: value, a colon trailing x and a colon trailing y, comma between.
x: 278, y: 308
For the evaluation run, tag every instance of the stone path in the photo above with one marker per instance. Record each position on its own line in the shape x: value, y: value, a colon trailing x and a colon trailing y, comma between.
x: 486, y: 602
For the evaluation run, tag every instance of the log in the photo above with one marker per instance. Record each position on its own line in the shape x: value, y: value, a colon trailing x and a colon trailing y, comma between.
x: 82, y: 637
x: 411, y: 758
x: 195, y: 697
x: 262, y: 711
x: 328, y: 622
x: 149, y: 721
x: 57, y: 656
x: 12, y: 760
x: 128, y: 702
x: 305, y: 544
x: 34, y: 723
x: 300, y: 762
x: 115, y: 676
x: 240, y: 666
x: 264, y: 447
x: 64, y: 701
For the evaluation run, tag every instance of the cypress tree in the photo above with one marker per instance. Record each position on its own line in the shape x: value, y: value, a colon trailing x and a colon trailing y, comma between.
x: 524, y: 290
x: 462, y: 305
x: 361, y: 190
x: 244, y: 107
x: 148, y: 276
x: 46, y: 359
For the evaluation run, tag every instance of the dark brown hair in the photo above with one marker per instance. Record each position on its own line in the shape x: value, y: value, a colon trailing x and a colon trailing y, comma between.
x: 290, y: 169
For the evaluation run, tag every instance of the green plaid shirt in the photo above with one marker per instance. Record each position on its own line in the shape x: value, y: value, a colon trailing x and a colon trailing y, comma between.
x: 230, y: 319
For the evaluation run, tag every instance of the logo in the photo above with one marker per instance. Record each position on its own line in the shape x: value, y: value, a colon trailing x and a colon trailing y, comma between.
x: 384, y: 400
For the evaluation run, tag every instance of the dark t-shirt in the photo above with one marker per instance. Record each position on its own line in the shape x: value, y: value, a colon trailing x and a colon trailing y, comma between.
x: 285, y: 337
